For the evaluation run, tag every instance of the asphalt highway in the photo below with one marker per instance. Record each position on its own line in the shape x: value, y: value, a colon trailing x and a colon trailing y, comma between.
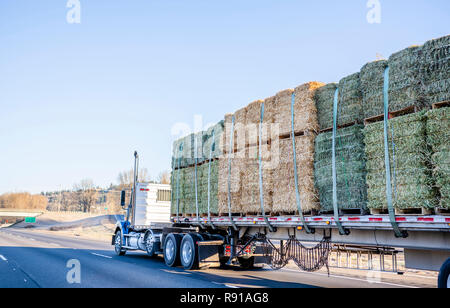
x: 34, y: 260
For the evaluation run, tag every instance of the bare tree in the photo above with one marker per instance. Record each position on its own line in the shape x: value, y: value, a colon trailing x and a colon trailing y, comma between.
x: 85, y: 194
x: 125, y: 178
x: 164, y: 177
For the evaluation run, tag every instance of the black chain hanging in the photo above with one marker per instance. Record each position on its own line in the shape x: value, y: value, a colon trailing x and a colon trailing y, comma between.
x: 307, y: 259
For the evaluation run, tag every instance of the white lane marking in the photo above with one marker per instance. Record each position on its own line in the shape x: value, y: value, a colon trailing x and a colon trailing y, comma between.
x: 3, y: 258
x: 99, y: 255
x: 357, y: 279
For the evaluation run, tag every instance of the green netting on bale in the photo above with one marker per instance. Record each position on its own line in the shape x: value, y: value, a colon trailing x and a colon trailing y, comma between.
x: 438, y: 136
x: 435, y: 70
x: 405, y: 85
x: 410, y: 163
x: 324, y: 98
x: 350, y: 169
x: 372, y: 84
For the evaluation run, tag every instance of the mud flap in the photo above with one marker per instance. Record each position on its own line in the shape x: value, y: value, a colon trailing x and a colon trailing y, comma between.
x: 208, y: 253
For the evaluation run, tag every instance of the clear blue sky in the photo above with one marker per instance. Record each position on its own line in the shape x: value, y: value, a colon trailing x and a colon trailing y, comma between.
x: 77, y: 99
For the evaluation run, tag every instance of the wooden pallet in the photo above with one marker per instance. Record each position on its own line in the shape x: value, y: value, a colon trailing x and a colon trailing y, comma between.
x: 414, y: 211
x: 330, y: 129
x: 296, y: 134
x: 443, y: 212
x: 393, y: 114
x: 379, y: 211
x: 442, y: 104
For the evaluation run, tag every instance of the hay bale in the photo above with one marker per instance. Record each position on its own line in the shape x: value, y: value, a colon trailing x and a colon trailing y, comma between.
x: 435, y: 70
x: 350, y: 101
x: 404, y: 81
x: 282, y: 111
x: 411, y: 174
x: 198, y: 147
x: 253, y: 120
x: 203, y: 187
x: 219, y: 131
x: 324, y: 98
x: 226, y: 133
x: 305, y: 110
x: 240, y: 118
x: 237, y: 167
x: 372, y: 85
x: 350, y: 169
x: 438, y: 136
x: 178, y: 178
x: 284, y: 196
x: 188, y: 191
x: 250, y: 201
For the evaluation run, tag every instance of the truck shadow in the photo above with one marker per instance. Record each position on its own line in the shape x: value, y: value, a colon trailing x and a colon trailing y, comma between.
x: 100, y: 268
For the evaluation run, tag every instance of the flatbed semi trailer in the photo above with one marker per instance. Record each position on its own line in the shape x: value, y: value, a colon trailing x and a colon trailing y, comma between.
x: 195, y: 242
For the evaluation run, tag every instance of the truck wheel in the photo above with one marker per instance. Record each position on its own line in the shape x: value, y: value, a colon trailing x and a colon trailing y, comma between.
x: 151, y: 245
x: 118, y: 244
x: 172, y: 249
x: 246, y: 263
x: 189, y: 251
x: 444, y: 276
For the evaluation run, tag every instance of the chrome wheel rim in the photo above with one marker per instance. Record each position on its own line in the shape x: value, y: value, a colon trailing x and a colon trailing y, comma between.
x: 170, y: 249
x: 149, y: 242
x: 186, y: 252
x: 118, y: 243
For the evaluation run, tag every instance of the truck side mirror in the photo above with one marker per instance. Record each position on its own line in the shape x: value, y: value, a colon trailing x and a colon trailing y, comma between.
x: 122, y: 198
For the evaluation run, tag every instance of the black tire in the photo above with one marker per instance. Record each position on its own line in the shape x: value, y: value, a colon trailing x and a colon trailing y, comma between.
x: 444, y: 276
x: 118, y: 246
x: 246, y: 263
x: 151, y: 247
x: 172, y: 246
x: 189, y: 251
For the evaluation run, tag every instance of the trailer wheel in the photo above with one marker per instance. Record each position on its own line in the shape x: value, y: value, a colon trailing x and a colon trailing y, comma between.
x: 151, y: 244
x: 172, y: 249
x: 246, y: 263
x: 444, y: 276
x: 189, y: 251
x: 118, y: 244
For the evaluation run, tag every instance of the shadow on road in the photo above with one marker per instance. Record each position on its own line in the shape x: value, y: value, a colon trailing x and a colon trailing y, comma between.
x: 48, y: 267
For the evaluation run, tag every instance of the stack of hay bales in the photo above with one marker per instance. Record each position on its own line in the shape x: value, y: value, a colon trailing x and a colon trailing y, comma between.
x: 237, y: 154
x: 324, y: 99
x: 350, y: 169
x: 203, y: 187
x: 237, y: 167
x: 410, y: 171
x: 435, y: 70
x: 405, y: 88
x: 177, y: 188
x: 282, y: 160
x: 250, y: 201
x: 438, y: 134
x: 372, y: 85
x: 284, y: 193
